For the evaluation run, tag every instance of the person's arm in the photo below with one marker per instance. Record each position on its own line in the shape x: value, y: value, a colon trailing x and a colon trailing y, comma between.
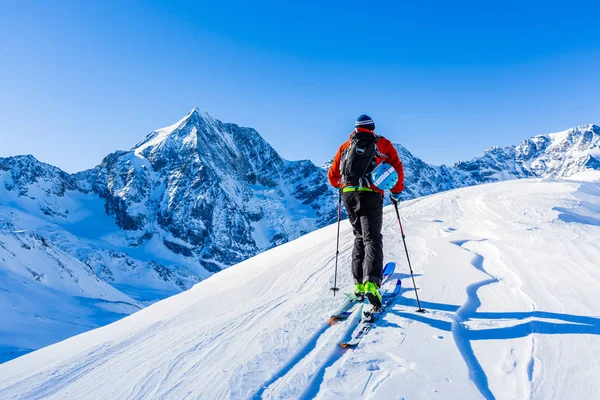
x: 392, y: 158
x: 334, y: 173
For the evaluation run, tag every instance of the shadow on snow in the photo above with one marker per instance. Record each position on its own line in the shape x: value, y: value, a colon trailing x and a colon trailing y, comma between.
x: 566, y: 324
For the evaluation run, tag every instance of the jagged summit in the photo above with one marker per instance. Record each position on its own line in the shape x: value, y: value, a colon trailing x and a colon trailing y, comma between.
x: 27, y: 157
x: 26, y: 170
x: 593, y: 128
x: 159, y: 135
x: 199, y: 111
x: 199, y: 132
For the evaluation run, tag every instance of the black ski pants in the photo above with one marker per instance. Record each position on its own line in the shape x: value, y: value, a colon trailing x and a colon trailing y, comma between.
x: 365, y: 211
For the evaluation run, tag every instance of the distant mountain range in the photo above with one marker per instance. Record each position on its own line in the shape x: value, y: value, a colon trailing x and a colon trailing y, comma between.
x: 556, y: 155
x: 187, y: 201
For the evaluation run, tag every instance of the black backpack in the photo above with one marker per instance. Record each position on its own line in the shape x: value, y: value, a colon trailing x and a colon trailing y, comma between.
x: 358, y: 160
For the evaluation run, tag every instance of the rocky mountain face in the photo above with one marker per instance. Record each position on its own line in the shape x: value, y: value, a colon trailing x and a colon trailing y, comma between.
x: 212, y: 192
x: 194, y: 198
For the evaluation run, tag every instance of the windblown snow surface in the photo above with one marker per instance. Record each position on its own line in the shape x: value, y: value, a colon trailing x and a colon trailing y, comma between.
x: 509, y: 273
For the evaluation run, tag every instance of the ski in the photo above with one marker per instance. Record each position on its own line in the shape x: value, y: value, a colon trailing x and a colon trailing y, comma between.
x: 369, y: 318
x: 347, y: 307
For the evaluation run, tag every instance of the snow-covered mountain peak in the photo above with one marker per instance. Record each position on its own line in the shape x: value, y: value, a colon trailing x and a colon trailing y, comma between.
x: 589, y: 129
x: 23, y: 158
x: 197, y: 111
x: 210, y: 191
x: 27, y: 163
x: 583, y: 138
x: 199, y: 134
x: 35, y: 184
x: 492, y: 150
x: 196, y: 117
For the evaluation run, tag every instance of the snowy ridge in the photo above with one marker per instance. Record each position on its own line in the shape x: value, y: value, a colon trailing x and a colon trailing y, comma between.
x: 508, y: 272
x: 557, y: 155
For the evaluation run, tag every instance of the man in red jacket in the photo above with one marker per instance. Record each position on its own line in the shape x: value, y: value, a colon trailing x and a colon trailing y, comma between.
x: 349, y: 172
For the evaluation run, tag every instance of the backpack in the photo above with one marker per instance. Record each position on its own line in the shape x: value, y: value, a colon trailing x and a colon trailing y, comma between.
x: 359, y: 159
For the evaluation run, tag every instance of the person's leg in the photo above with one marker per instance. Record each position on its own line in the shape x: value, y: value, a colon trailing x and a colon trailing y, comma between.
x: 358, y: 252
x: 371, y: 221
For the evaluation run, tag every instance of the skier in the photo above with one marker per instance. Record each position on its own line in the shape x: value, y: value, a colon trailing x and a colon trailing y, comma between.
x: 351, y: 172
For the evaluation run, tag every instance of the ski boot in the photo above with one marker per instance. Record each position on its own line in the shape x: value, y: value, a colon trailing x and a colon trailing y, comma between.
x: 373, y: 295
x: 359, y: 291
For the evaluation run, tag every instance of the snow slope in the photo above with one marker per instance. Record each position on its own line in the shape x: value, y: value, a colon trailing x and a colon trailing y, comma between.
x: 508, y: 272
x: 47, y: 294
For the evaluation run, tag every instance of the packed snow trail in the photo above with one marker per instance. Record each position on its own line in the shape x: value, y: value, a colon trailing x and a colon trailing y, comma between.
x: 508, y: 272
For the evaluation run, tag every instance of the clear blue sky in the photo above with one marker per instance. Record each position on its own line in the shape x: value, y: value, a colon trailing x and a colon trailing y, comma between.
x: 80, y: 79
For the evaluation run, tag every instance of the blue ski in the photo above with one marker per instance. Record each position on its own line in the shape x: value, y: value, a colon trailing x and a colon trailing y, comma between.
x: 347, y: 307
x: 369, y: 318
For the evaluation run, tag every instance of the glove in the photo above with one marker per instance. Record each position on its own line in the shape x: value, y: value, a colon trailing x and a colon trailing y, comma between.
x: 395, y: 198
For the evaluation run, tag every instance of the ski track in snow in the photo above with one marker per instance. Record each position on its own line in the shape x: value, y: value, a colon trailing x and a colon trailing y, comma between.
x: 331, y: 336
x: 307, y: 352
x: 300, y: 355
x: 313, y: 386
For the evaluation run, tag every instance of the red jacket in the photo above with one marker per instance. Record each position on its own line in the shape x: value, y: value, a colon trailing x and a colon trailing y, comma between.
x: 390, y: 157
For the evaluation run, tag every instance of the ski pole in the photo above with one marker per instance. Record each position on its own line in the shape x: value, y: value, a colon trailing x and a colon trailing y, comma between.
x: 421, y: 310
x: 337, y: 249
